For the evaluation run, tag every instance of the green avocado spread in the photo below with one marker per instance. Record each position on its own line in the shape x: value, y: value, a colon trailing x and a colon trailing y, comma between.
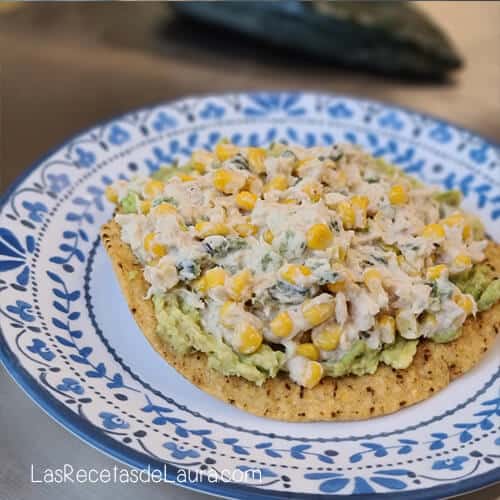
x: 180, y: 327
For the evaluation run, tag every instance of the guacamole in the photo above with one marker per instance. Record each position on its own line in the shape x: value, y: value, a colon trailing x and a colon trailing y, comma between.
x: 179, y: 326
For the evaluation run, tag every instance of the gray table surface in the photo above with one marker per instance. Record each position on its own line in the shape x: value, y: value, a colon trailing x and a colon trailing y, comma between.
x: 79, y: 64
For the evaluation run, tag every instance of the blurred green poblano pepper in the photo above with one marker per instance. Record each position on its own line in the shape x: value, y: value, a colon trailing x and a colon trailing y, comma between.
x: 389, y: 37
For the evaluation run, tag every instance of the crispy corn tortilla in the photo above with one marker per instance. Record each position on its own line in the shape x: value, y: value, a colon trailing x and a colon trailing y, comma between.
x: 346, y: 398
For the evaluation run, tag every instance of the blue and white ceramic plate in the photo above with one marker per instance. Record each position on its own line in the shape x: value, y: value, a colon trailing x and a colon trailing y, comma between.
x: 70, y: 342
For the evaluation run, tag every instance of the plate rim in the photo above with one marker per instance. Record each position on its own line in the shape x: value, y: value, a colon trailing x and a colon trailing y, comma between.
x: 85, y: 431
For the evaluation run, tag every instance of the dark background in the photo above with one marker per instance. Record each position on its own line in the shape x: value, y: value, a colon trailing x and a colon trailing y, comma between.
x: 65, y: 66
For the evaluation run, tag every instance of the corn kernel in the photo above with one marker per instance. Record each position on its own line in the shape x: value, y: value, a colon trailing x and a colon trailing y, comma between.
x: 307, y: 350
x: 215, y: 277
x: 226, y: 308
x: 205, y: 229
x: 347, y: 214
x: 201, y: 159
x: 155, y: 248
x: 360, y: 202
x: 293, y: 273
x: 268, y: 236
x: 185, y: 177
x: 465, y: 302
x: 249, y: 339
x: 240, y: 282
x: 246, y: 200
x: 111, y: 194
x: 372, y: 277
x: 435, y: 272
x: 282, y: 324
x: 145, y: 206
x: 288, y: 201
x: 398, y: 194
x: 256, y: 157
x: 164, y: 209
x: 278, y: 183
x: 327, y: 339
x: 313, y: 374
x: 319, y: 237
x: 458, y: 219
x: 462, y: 260
x: 336, y: 287
x: 228, y: 181
x: 153, y: 188
x: 225, y: 150
x: 360, y: 206
x: 387, y: 325
x: 433, y: 232
x: 245, y: 229
x: 313, y: 191
x: 316, y: 314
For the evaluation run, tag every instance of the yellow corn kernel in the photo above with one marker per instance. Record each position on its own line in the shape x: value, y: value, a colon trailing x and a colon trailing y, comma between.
x: 453, y: 220
x: 240, y: 282
x: 336, y: 287
x: 360, y: 202
x: 313, y: 191
x: 347, y: 214
x: 433, y: 232
x: 111, y: 194
x: 228, y: 181
x: 164, y: 209
x: 268, y: 236
x: 288, y: 201
x: 307, y: 350
x: 278, y: 183
x: 387, y: 323
x: 293, y: 272
x: 465, y: 302
x: 226, y: 308
x: 282, y: 324
x: 205, y: 229
x: 214, y: 277
x: 256, y: 157
x: 313, y: 374
x: 153, y: 188
x: 327, y: 339
x: 246, y: 200
x: 245, y: 229
x: 372, y: 276
x: 201, y: 159
x: 145, y: 206
x: 155, y: 248
x: 435, y: 272
x: 458, y: 219
x: 398, y: 194
x: 250, y: 339
x: 319, y: 237
x: 225, y: 150
x: 360, y: 207
x: 316, y: 314
x: 462, y: 260
x: 186, y: 177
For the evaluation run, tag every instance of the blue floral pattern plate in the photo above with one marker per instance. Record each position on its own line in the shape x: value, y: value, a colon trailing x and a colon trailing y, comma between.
x: 71, y: 343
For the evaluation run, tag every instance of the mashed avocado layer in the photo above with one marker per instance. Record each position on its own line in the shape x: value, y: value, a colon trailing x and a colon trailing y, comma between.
x: 479, y: 282
x: 179, y: 326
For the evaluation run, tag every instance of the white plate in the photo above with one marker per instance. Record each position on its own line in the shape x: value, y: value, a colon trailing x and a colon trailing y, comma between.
x: 71, y: 343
